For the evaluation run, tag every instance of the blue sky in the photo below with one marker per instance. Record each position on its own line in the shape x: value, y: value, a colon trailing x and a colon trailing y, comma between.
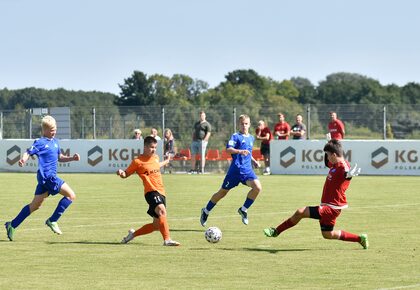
x: 96, y: 44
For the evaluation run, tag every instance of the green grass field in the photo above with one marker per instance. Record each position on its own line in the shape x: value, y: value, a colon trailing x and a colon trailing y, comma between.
x: 89, y: 254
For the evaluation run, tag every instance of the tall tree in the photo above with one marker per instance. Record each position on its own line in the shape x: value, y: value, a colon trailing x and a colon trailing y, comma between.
x: 135, y: 91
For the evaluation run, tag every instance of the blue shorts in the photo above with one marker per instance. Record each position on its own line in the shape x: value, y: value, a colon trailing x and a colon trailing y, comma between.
x: 232, y: 179
x: 52, y: 184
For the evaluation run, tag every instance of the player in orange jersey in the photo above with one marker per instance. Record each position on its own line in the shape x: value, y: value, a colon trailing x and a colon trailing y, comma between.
x: 147, y: 167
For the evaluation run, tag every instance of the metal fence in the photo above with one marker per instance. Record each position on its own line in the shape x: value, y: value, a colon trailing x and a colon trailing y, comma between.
x: 361, y: 121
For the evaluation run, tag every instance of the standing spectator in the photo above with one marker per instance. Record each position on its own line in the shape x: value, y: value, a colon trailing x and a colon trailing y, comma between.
x: 168, y: 146
x: 282, y: 128
x: 298, y: 130
x: 335, y: 127
x: 137, y: 134
x: 200, y: 137
x: 263, y: 133
x: 154, y: 134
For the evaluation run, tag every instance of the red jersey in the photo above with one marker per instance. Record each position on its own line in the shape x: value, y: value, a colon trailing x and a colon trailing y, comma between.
x: 335, y: 186
x: 148, y: 169
x: 336, y: 129
x: 263, y: 133
x: 283, y: 128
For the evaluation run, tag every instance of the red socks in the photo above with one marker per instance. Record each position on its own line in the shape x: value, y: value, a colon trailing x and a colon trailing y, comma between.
x: 349, y: 237
x: 285, y: 225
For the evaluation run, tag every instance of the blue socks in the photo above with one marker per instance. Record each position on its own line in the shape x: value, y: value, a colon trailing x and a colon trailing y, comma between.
x: 61, y: 207
x: 248, y: 203
x: 24, y: 213
x: 210, y: 206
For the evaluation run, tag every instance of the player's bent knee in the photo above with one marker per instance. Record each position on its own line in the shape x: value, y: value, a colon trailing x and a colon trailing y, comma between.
x: 327, y: 235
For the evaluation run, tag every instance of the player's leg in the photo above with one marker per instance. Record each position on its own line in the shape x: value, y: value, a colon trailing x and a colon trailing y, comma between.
x: 205, y: 211
x: 162, y: 221
x: 24, y: 213
x: 304, y: 212
x: 256, y: 188
x: 68, y: 197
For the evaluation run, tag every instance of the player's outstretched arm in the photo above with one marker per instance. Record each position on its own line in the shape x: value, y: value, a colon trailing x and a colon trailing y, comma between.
x: 66, y: 158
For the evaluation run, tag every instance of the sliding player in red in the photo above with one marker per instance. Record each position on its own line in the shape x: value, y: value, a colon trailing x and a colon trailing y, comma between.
x: 332, y: 202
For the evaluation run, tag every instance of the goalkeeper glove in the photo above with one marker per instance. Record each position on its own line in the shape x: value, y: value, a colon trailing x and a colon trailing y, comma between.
x: 353, y: 171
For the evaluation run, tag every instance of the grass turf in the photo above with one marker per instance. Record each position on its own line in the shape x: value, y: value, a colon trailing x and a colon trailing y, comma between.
x: 89, y: 254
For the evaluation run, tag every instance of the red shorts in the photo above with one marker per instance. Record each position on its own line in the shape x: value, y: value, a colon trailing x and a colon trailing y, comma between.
x: 326, y: 216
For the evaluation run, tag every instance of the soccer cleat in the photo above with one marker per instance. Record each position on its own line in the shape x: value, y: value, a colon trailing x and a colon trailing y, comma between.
x: 53, y: 226
x: 10, y: 230
x: 203, y: 217
x: 171, y: 243
x: 364, y: 241
x: 271, y: 232
x: 129, y: 237
x: 244, y: 216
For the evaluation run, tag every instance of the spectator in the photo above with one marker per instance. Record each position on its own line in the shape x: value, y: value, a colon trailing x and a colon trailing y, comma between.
x: 154, y: 134
x: 298, y: 130
x: 282, y: 128
x: 200, y: 137
x: 137, y: 134
x: 263, y: 133
x: 168, y: 147
x: 335, y: 127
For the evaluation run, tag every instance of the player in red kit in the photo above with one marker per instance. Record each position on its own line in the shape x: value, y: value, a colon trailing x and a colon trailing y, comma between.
x: 332, y: 202
x: 335, y: 127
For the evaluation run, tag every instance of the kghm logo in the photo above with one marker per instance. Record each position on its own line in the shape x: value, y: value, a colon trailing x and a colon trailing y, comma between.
x: 287, y: 157
x: 379, y: 157
x: 13, y: 155
x: 95, y: 155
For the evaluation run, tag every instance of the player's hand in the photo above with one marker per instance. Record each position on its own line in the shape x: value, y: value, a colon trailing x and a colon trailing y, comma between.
x: 121, y: 173
x: 353, y: 171
x: 21, y: 162
x: 256, y: 164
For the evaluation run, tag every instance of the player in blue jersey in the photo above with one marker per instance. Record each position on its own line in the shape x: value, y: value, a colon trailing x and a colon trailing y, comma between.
x: 240, y: 171
x: 48, y: 152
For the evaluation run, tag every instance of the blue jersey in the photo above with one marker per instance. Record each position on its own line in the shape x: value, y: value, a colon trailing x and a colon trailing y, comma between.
x: 240, y: 162
x: 48, y: 152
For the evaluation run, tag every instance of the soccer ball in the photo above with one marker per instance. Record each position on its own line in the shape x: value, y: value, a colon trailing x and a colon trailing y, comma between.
x: 213, y: 235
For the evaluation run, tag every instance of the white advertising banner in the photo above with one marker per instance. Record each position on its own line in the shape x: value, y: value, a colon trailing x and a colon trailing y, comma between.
x: 375, y: 157
x: 95, y: 155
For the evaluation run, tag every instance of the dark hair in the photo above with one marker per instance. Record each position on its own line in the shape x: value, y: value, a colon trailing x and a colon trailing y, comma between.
x: 334, y: 146
x: 149, y: 140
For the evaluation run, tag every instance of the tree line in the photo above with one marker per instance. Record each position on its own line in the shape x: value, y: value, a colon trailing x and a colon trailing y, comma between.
x: 239, y: 87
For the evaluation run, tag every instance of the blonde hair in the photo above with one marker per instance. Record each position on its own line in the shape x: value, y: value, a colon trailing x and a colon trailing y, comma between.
x: 167, y: 131
x: 137, y: 131
x: 48, y: 122
x: 243, y: 117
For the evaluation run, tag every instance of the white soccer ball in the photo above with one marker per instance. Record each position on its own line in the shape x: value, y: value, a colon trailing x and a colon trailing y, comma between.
x: 213, y: 235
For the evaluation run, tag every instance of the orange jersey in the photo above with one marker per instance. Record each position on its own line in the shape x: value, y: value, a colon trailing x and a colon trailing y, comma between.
x: 148, y: 169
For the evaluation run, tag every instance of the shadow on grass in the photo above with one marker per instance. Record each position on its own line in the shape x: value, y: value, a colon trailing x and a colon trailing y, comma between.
x: 85, y: 243
x: 187, y: 230
x: 271, y: 251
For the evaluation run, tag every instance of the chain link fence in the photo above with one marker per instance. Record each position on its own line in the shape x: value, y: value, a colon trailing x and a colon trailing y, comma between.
x: 362, y: 121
